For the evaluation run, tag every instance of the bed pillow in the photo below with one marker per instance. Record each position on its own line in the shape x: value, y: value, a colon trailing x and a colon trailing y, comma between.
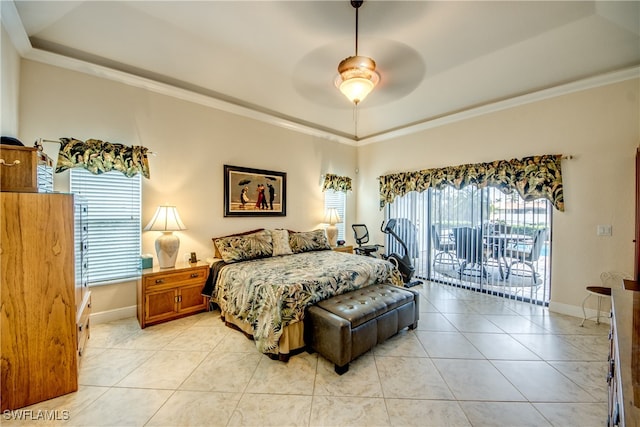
x: 281, y: 242
x: 245, y: 247
x: 306, y: 241
x: 217, y: 253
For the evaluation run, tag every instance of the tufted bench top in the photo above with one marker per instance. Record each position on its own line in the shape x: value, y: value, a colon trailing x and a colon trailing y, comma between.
x: 364, y: 304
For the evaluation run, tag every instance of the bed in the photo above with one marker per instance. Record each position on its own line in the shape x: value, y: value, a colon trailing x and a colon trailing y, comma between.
x: 265, y: 279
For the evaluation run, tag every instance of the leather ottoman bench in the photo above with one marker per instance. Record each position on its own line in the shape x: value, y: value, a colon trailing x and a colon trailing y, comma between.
x: 345, y: 326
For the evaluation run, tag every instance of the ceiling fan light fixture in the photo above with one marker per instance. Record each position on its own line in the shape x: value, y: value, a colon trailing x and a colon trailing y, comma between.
x: 357, y: 74
x: 357, y: 77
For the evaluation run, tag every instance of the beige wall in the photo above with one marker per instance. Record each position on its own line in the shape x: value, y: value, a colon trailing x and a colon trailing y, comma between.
x: 192, y: 143
x: 599, y: 127
x: 10, y: 71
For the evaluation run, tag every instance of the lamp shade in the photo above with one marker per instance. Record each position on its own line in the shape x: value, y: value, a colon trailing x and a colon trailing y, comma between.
x: 332, y: 217
x: 357, y: 77
x: 166, y: 218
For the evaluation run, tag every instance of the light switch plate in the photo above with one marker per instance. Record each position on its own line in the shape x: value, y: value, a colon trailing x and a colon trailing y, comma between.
x: 603, y: 230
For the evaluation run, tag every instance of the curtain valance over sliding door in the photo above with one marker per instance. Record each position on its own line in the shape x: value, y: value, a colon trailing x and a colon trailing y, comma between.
x: 532, y: 177
x: 99, y: 157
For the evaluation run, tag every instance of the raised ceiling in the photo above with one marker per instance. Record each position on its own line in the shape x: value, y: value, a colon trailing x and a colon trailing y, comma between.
x: 278, y: 59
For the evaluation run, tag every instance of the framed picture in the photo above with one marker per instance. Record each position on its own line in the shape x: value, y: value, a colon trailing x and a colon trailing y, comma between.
x: 254, y: 192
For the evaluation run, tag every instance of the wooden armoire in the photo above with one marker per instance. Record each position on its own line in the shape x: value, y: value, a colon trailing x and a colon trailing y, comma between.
x: 44, y: 312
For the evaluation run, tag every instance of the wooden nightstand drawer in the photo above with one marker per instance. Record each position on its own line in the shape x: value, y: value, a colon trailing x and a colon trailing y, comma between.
x: 171, y: 279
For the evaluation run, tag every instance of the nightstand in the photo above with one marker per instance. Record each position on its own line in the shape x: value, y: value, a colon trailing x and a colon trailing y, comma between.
x: 347, y: 249
x: 169, y: 293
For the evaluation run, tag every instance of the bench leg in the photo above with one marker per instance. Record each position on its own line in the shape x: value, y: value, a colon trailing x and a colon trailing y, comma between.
x: 341, y: 369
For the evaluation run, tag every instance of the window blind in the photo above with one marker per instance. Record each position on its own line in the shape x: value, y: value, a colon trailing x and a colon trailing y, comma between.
x: 338, y: 200
x: 114, y: 211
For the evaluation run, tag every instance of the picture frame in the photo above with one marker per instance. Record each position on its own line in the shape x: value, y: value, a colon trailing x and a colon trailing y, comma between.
x: 242, y: 189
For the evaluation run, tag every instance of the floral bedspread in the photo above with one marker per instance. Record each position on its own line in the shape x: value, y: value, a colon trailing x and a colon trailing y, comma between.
x: 271, y: 293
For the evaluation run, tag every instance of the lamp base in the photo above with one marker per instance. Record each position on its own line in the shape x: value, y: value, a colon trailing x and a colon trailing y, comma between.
x: 167, y: 246
x: 332, y: 235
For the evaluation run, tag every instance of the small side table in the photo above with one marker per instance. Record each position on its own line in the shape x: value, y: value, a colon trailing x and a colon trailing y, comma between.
x: 347, y: 249
x: 165, y: 294
x: 600, y: 292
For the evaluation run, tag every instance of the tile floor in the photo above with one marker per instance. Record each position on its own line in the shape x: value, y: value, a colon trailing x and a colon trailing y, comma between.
x: 475, y: 360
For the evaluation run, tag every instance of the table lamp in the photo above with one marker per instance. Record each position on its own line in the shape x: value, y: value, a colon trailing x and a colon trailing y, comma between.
x: 167, y: 220
x: 332, y: 218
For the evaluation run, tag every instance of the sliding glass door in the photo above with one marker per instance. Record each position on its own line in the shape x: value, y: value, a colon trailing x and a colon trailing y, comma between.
x: 477, y: 238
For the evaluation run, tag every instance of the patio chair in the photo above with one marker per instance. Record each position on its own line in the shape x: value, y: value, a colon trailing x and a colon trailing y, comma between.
x: 361, y: 236
x: 470, y: 251
x: 609, y: 280
x: 526, y: 254
x: 444, y: 255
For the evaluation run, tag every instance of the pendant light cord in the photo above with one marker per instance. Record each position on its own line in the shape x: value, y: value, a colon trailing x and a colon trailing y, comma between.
x: 357, y: 31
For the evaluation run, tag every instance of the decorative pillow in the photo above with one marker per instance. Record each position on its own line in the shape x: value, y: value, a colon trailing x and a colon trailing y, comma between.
x: 217, y: 253
x: 281, y: 242
x: 315, y: 240
x: 242, y: 248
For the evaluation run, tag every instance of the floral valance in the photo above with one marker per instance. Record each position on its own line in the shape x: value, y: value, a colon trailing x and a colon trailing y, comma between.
x: 99, y: 157
x: 337, y: 183
x: 532, y: 177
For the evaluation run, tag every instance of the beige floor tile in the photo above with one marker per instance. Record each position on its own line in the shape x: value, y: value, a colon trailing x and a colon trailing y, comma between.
x: 151, y: 338
x: 562, y: 324
x: 471, y: 323
x: 551, y: 347
x: 111, y: 365
x: 296, y: 376
x: 197, y: 338
x: 434, y: 375
x: 453, y: 306
x: 60, y: 411
x: 435, y: 322
x: 225, y: 372
x: 500, y: 346
x: 271, y: 410
x: 594, y: 347
x: 164, y: 370
x: 405, y: 343
x: 196, y: 408
x: 122, y: 407
x: 360, y: 380
x: 236, y: 341
x: 452, y: 345
x: 348, y: 411
x: 540, y: 382
x: 574, y: 414
x: 514, y: 414
x: 426, y: 413
x: 476, y: 380
x: 587, y: 375
x: 411, y: 378
x: 515, y: 324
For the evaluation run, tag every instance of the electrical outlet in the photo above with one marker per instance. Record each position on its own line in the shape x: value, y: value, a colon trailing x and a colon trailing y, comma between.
x: 603, y: 230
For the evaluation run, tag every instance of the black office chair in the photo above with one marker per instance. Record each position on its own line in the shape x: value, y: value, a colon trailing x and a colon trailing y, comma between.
x: 361, y: 235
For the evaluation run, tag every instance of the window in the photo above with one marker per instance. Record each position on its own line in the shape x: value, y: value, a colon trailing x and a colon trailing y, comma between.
x: 338, y: 200
x: 114, y: 223
x: 478, y: 238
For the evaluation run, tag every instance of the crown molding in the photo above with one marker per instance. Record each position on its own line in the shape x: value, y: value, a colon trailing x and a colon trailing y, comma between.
x: 492, y: 107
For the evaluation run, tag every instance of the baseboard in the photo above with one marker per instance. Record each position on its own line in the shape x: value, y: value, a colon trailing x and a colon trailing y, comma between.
x: 111, y: 315
x: 576, y: 311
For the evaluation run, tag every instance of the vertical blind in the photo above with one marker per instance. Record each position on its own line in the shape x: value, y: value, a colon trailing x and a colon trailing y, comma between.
x: 114, y: 211
x: 337, y: 199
